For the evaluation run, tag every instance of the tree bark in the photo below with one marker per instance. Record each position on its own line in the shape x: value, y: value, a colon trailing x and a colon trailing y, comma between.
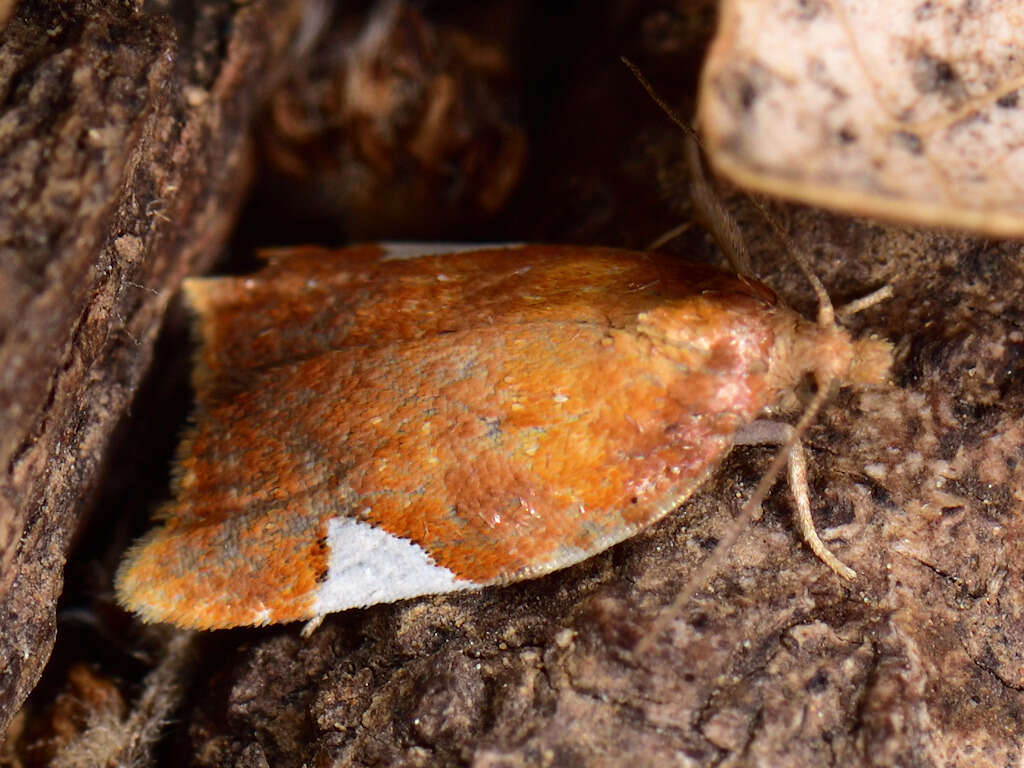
x: 124, y: 155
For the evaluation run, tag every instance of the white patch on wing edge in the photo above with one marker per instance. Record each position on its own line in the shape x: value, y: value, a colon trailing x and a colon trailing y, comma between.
x: 367, y: 565
x: 400, y: 251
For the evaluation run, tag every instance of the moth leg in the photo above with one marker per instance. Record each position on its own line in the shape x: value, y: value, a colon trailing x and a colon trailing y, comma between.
x: 312, y: 625
x: 779, y: 433
x: 864, y: 302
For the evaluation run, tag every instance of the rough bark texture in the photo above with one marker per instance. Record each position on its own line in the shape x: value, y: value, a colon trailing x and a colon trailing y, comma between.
x: 124, y: 153
x: 920, y: 661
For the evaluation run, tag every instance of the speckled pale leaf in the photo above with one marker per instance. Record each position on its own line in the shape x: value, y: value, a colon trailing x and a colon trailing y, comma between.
x: 904, y: 109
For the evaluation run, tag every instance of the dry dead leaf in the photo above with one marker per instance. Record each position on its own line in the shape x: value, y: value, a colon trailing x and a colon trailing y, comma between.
x: 7, y: 8
x: 909, y: 109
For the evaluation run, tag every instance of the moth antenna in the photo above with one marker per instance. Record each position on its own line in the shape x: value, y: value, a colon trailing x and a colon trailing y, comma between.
x: 712, y: 213
x: 708, y: 208
x: 826, y: 313
x: 713, y: 562
x: 721, y: 223
x: 645, y: 83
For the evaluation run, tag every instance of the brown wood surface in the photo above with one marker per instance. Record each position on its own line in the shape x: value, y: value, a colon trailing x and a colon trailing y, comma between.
x: 124, y: 152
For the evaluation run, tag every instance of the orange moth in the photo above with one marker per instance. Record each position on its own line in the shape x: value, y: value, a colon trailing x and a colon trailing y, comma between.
x: 382, y: 422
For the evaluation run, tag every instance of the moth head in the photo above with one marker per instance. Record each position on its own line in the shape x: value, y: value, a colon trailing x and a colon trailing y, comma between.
x: 828, y: 353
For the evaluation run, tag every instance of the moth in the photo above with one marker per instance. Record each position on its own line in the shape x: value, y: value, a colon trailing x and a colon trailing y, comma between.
x: 382, y: 422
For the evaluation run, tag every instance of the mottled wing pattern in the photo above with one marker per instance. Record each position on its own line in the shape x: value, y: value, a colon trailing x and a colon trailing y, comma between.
x: 510, y: 411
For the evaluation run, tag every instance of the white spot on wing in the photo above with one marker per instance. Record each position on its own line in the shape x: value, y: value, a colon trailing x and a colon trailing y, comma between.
x: 367, y: 565
x: 401, y: 251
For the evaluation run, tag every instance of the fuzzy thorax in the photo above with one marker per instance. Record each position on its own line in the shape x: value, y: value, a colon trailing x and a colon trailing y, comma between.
x: 827, y: 352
